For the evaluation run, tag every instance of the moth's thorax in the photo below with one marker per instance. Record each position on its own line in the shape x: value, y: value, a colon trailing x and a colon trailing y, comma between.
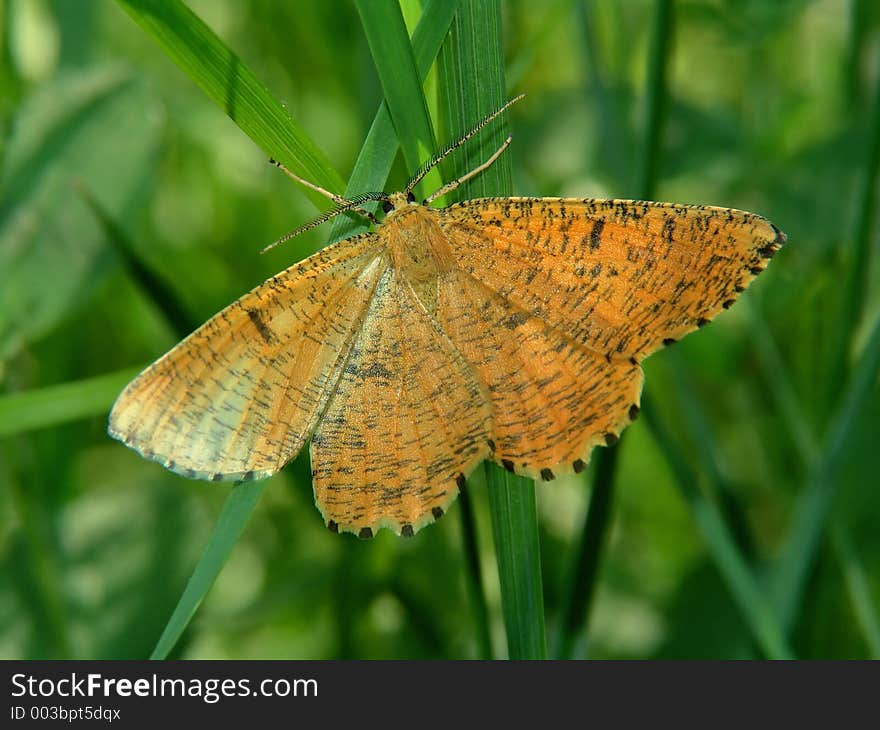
x: 416, y: 243
x: 418, y: 248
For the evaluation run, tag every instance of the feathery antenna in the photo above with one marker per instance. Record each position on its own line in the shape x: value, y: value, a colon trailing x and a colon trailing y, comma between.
x: 346, y: 205
x: 448, y: 149
x: 338, y: 199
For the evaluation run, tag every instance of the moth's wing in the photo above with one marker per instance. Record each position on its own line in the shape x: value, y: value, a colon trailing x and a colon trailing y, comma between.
x: 555, y: 303
x: 407, y: 423
x: 552, y: 398
x: 621, y: 277
x: 238, y: 398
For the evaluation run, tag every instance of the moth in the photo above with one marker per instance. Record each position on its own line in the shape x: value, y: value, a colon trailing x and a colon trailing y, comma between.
x: 510, y: 329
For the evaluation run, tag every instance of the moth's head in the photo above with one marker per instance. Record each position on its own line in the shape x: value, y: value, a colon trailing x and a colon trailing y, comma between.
x: 398, y: 201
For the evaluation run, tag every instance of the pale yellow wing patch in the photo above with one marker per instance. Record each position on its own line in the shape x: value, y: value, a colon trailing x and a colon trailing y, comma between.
x: 622, y: 277
x: 239, y: 397
x: 407, y: 423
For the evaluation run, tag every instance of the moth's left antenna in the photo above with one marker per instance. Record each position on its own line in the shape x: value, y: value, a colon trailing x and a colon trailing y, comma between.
x: 338, y: 199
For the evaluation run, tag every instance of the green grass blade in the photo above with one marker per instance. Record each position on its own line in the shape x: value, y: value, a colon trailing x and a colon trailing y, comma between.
x: 471, y: 83
x: 399, y: 75
x: 230, y: 84
x: 380, y: 147
x: 655, y: 106
x: 239, y: 506
x: 746, y: 593
x: 57, y: 404
x: 404, y: 100
x: 814, y: 506
x: 515, y: 527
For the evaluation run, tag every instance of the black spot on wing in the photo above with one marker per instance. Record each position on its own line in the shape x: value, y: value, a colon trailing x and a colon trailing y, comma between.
x: 596, y: 234
x: 257, y: 319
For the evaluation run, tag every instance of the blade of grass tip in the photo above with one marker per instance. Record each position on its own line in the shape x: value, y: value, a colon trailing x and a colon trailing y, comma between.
x: 373, y: 165
x: 788, y: 580
x: 395, y: 64
x: 858, y: 588
x: 753, y: 605
x: 237, y: 510
x: 471, y: 83
x: 776, y: 373
x: 576, y: 610
x: 230, y: 84
x: 581, y: 583
x: 57, y: 404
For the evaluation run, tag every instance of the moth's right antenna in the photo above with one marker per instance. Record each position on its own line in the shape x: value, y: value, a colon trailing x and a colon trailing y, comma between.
x: 450, y: 186
x: 442, y: 154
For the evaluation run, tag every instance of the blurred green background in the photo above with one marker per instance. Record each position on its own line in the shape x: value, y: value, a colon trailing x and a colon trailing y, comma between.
x: 117, y: 170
